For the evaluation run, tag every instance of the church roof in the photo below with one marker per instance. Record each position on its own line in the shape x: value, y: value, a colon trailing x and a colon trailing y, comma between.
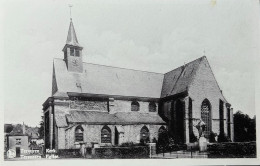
x: 179, y: 79
x: 95, y: 117
x: 100, y: 79
x: 91, y: 117
x: 113, y: 81
x: 136, y: 117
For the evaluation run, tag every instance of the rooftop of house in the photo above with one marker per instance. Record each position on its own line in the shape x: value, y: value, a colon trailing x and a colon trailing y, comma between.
x: 17, y: 129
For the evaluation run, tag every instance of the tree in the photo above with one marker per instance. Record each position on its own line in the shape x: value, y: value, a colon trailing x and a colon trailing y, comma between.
x: 41, y: 129
x: 8, y: 128
x: 244, y: 127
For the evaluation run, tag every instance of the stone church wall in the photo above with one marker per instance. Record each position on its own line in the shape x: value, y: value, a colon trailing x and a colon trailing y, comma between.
x: 205, y: 86
x: 65, y: 138
x: 125, y: 106
x: 92, y: 133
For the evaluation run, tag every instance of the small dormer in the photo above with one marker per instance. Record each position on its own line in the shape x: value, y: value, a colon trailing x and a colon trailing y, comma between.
x: 73, y: 51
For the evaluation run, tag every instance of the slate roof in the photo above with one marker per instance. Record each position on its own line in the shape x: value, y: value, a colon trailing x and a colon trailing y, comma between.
x: 136, y: 118
x: 72, y: 38
x: 60, y: 120
x: 178, y: 80
x: 91, y: 117
x: 33, y: 132
x: 29, y: 131
x: 107, y: 80
x: 100, y: 79
x: 94, y: 117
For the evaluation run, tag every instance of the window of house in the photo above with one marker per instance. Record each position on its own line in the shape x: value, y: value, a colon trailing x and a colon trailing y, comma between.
x: 71, y: 52
x: 77, y: 53
x: 206, y: 116
x: 105, y: 135
x: 144, y: 134
x: 18, y: 141
x: 79, y: 134
x: 135, y: 106
x: 152, y: 107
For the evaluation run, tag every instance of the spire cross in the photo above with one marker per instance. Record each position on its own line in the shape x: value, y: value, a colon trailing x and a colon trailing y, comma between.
x: 70, y: 6
x: 204, y: 52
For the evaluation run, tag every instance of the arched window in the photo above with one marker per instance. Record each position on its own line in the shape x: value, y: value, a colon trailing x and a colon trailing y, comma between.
x: 79, y: 133
x: 105, y: 135
x: 135, y: 106
x: 152, y: 107
x: 161, y: 130
x: 206, y: 116
x: 144, y: 134
x: 163, y: 136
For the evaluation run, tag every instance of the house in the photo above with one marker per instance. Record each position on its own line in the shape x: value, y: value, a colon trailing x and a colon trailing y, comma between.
x: 17, y: 139
x: 92, y: 103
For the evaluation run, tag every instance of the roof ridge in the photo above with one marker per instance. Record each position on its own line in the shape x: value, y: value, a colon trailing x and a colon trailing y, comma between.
x: 185, y: 64
x: 117, y: 67
x: 136, y: 69
x: 124, y: 68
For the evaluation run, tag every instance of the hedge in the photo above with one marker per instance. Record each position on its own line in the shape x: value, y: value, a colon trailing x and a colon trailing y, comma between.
x: 122, y: 152
x: 170, y: 148
x: 232, y: 150
x: 69, y: 153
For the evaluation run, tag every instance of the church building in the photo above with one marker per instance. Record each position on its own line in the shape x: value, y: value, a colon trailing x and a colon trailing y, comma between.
x: 92, y: 103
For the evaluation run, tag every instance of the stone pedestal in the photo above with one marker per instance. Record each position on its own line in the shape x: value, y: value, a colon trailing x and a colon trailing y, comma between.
x: 203, y: 144
x: 152, y: 149
x: 82, y: 149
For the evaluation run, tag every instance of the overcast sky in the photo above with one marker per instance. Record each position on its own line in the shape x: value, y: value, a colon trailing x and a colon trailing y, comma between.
x: 150, y: 35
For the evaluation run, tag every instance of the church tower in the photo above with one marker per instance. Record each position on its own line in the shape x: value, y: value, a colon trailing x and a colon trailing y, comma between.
x: 73, y: 51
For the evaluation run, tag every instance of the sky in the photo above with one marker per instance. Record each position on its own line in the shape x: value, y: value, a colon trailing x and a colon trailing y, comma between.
x: 153, y: 35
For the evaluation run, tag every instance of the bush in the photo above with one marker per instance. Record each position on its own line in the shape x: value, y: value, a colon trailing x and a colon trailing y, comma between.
x: 88, y: 150
x: 223, y: 138
x: 232, y: 150
x: 193, y: 138
x: 69, y: 153
x: 141, y: 142
x: 129, y: 144
x: 122, y: 152
x: 212, y: 137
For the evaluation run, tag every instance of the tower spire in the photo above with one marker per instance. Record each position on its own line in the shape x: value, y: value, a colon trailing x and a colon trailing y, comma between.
x: 72, y: 50
x: 72, y: 37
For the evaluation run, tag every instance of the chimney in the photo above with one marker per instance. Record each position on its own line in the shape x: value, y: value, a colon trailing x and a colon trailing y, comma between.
x: 23, y: 129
